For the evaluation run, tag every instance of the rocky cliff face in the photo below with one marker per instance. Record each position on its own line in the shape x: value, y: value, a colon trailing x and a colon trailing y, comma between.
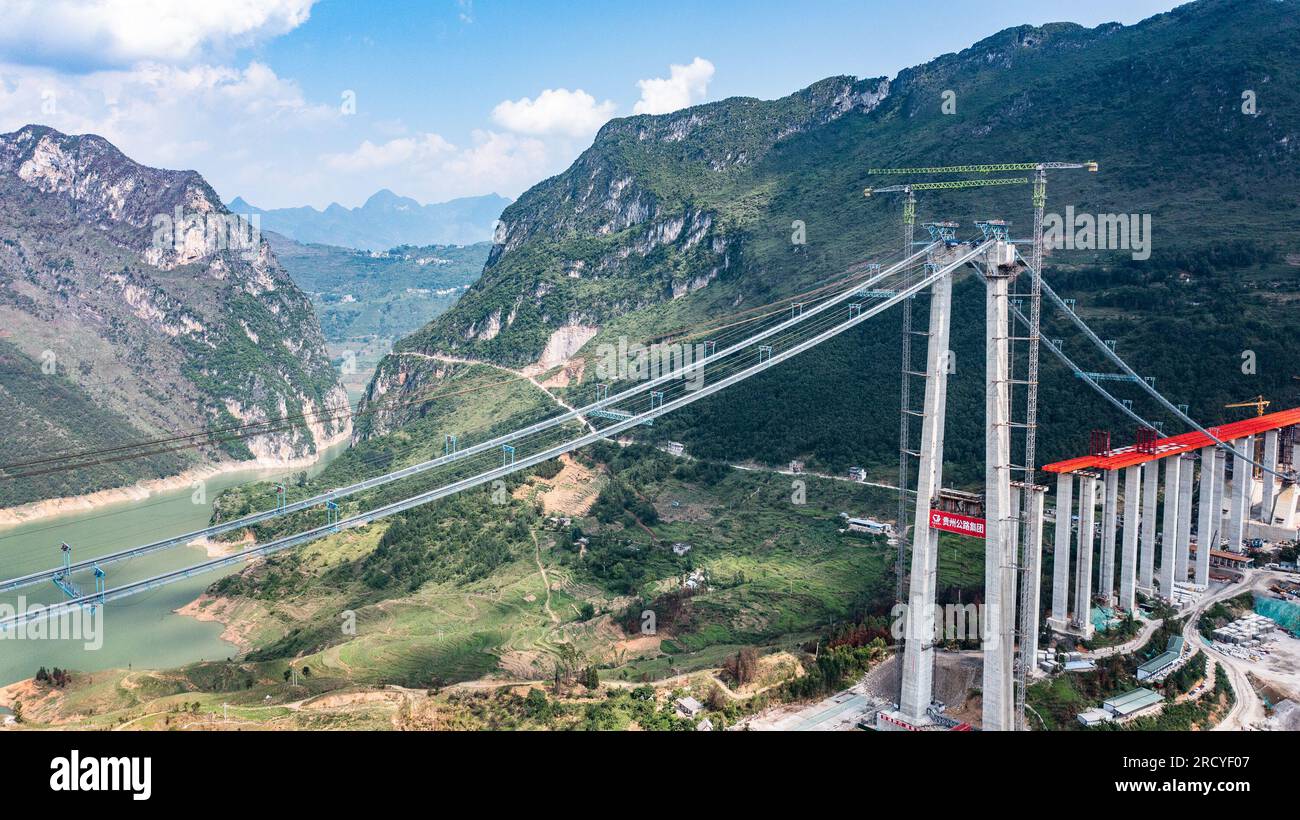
x: 637, y: 220
x: 136, y: 298
x: 617, y: 184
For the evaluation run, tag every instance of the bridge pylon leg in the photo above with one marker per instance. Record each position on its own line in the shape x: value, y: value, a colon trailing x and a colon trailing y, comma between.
x: 1000, y: 561
x: 919, y: 630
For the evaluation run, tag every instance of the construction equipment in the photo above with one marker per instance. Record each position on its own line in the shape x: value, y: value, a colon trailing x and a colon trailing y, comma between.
x: 990, y: 168
x: 944, y: 185
x: 1040, y: 170
x: 63, y: 578
x: 905, y: 388
x: 1259, y: 403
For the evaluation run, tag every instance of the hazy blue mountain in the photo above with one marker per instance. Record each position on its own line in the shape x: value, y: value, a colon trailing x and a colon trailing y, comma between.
x: 385, y: 221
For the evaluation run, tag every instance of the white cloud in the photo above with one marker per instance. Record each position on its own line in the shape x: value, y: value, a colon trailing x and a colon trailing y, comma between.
x: 89, y: 34
x: 554, y: 111
x: 159, y: 114
x: 685, y: 85
x: 506, y: 163
x: 402, y: 151
x: 253, y: 133
x: 165, y: 91
x: 430, y: 168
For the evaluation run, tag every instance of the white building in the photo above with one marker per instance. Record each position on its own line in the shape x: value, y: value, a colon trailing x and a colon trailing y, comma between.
x: 868, y: 525
x: 1094, y: 717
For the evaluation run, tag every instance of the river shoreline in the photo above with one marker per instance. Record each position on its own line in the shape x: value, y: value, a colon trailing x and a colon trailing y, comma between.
x: 55, y: 507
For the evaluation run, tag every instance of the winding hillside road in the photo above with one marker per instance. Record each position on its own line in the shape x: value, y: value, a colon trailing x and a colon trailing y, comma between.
x: 1248, y: 711
x: 519, y: 374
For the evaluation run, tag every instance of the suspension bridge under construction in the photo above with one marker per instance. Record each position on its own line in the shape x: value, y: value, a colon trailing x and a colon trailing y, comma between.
x: 1010, y: 515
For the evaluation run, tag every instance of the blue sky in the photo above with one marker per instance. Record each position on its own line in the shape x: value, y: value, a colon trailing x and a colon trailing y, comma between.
x: 452, y: 97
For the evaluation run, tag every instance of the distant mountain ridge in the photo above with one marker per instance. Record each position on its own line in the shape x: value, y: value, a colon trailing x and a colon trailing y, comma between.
x: 385, y: 221
x: 365, y: 294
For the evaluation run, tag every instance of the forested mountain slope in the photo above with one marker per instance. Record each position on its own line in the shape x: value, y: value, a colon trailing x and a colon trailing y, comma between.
x: 667, y: 220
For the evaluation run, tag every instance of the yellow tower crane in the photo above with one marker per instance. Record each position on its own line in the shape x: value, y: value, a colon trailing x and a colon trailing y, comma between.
x: 1259, y: 403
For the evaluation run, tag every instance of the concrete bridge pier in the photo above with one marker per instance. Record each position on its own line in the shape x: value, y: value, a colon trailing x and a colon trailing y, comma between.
x: 1207, y: 535
x: 1082, y: 619
x: 1109, y: 516
x: 1061, y: 553
x: 1169, y: 534
x: 1183, y: 547
x: 1150, y: 498
x: 1129, y: 560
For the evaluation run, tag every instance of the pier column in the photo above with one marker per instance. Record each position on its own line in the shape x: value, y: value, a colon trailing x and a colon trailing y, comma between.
x: 1083, y: 563
x: 1220, y: 490
x: 1183, y: 549
x: 1169, y: 534
x: 918, y: 646
x: 999, y: 563
x: 1241, y: 492
x: 1129, y: 559
x: 1033, y: 573
x: 1206, y: 527
x: 1267, y: 500
x: 1150, y: 497
x: 1061, y: 551
x: 1109, y: 514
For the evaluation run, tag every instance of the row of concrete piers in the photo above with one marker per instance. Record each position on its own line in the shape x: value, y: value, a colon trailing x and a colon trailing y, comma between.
x: 1196, y: 512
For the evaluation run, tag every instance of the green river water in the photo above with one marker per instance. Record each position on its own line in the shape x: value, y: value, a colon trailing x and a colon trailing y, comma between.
x: 142, y: 631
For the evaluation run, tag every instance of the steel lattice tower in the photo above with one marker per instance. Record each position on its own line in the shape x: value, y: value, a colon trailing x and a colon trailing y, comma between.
x: 905, y: 406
